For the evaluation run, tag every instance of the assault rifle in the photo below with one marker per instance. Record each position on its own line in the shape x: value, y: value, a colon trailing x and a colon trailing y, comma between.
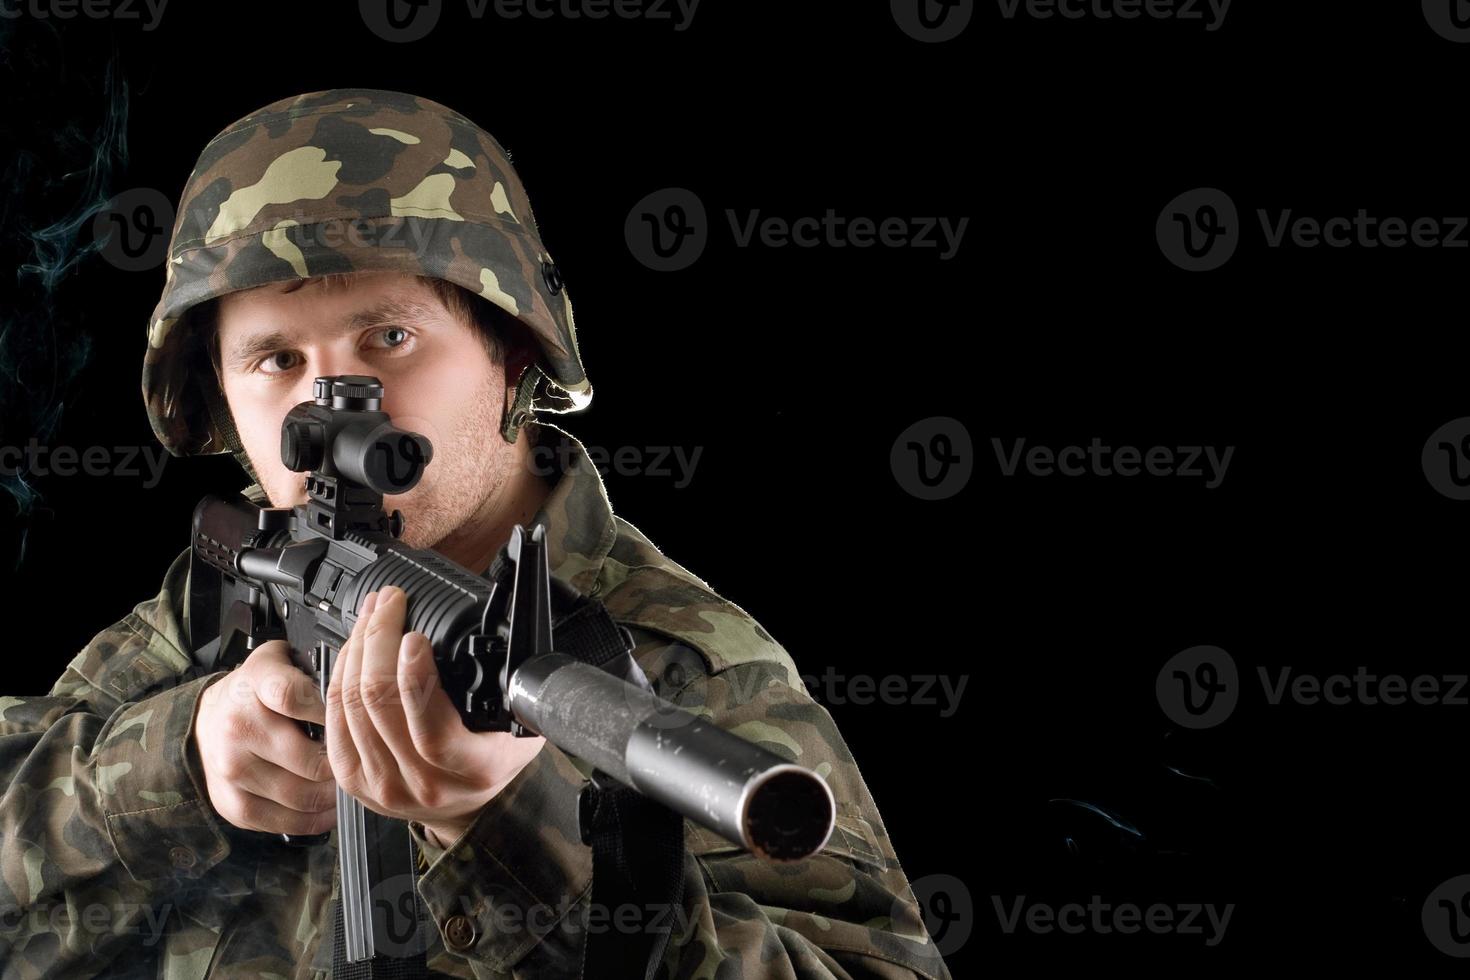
x: 301, y: 573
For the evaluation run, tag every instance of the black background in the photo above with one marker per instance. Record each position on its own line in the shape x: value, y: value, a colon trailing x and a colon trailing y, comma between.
x: 796, y: 369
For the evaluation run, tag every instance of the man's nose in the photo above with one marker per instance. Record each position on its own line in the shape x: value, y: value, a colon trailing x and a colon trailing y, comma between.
x: 326, y: 363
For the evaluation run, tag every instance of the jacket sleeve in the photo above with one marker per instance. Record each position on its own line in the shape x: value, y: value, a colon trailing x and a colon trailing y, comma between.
x: 511, y: 895
x: 104, y: 816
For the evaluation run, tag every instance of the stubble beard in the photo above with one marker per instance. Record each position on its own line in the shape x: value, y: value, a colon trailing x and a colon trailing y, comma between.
x: 475, y: 472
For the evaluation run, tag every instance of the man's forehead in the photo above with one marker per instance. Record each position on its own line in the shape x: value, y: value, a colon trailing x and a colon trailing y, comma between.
x: 280, y: 300
x: 341, y: 285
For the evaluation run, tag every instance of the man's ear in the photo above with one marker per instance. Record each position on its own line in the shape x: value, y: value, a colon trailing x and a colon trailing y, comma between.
x: 519, y: 355
x: 519, y: 358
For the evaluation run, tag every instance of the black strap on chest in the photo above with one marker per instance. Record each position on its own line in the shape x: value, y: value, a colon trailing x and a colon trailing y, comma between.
x: 637, y: 843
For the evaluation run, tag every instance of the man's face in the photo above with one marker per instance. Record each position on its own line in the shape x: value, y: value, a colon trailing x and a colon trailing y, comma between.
x: 438, y: 380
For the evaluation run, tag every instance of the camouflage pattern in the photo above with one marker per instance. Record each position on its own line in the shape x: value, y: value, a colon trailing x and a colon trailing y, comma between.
x: 106, y: 811
x: 351, y: 180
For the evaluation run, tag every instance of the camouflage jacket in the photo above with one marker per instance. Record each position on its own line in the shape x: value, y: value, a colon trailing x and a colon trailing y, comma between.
x: 115, y: 864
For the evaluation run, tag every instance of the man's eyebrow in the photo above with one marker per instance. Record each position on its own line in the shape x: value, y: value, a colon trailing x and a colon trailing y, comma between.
x: 388, y: 313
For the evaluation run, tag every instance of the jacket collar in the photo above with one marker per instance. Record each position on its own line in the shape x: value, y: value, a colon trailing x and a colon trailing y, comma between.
x: 578, y: 516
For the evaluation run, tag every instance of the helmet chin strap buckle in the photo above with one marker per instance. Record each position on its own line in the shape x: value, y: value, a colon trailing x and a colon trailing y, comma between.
x: 520, y: 410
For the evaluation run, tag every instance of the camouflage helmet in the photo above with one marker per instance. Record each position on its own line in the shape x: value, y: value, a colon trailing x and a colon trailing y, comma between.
x: 352, y: 180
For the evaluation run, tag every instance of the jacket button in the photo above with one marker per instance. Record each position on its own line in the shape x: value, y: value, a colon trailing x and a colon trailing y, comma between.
x: 459, y: 932
x: 181, y: 857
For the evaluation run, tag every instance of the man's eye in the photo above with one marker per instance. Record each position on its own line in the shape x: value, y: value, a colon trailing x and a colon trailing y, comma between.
x: 277, y: 360
x: 395, y: 336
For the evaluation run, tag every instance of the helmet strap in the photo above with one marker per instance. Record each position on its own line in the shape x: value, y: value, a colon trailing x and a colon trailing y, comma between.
x: 520, y: 411
x: 224, y: 424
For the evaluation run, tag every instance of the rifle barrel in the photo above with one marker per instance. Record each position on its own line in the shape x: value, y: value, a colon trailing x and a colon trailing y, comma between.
x: 737, y: 789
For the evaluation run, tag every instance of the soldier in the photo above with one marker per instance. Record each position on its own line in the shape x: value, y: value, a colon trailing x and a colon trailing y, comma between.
x: 359, y: 231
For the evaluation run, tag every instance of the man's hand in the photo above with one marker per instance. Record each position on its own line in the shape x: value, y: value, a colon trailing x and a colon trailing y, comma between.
x: 394, y: 739
x: 261, y: 770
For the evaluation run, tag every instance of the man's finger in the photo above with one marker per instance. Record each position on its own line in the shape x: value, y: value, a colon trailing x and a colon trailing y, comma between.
x: 379, y: 682
x: 269, y: 780
x: 340, y: 751
x: 258, y: 813
x: 432, y: 725
x: 288, y: 690
x: 286, y: 745
x: 377, y: 763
